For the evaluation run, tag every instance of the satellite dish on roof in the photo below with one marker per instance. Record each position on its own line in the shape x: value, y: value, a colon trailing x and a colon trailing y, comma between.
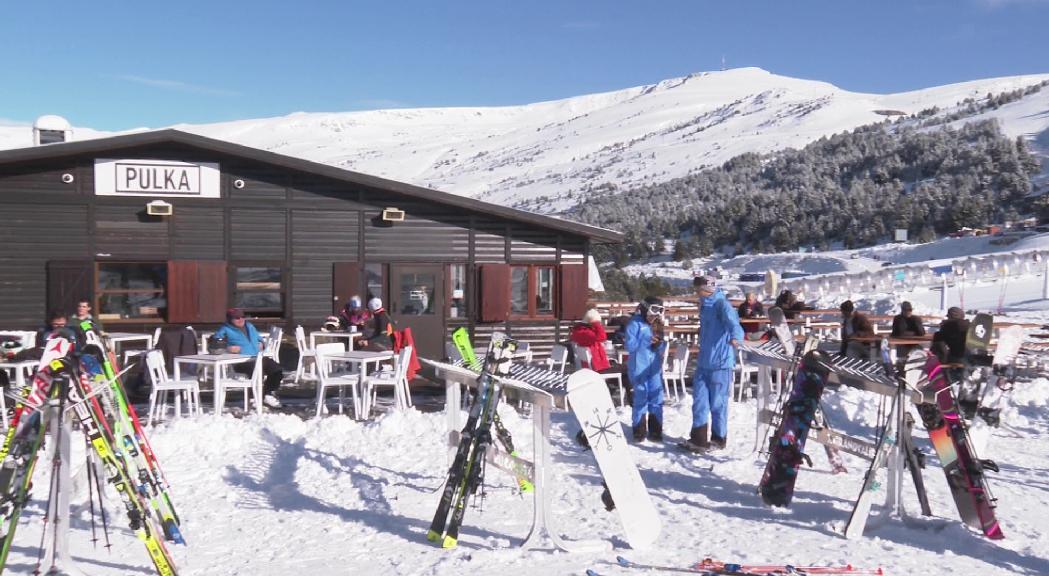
x: 51, y: 129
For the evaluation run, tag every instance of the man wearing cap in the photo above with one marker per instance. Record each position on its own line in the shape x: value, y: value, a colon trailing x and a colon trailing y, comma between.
x: 906, y: 325
x: 948, y: 343
x: 719, y: 336
x: 242, y: 338
x: 644, y: 342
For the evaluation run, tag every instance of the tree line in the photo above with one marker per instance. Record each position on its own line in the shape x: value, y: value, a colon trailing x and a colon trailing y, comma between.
x: 851, y: 189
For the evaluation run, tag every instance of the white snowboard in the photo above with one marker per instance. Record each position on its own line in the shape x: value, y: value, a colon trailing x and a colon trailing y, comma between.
x: 592, y: 405
x: 993, y: 397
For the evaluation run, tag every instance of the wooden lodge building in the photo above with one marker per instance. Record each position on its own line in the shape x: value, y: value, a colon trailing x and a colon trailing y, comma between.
x: 170, y: 228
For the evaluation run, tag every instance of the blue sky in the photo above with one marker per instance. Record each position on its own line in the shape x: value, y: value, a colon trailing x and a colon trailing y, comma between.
x: 115, y: 65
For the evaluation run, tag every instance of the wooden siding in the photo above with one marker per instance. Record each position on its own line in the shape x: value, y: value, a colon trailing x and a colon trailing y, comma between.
x: 319, y: 239
x: 573, y: 250
x: 532, y: 245
x: 197, y: 232
x: 489, y: 242
x: 257, y: 234
x: 416, y: 239
x: 260, y: 183
x: 31, y: 235
x: 33, y: 184
x: 125, y: 231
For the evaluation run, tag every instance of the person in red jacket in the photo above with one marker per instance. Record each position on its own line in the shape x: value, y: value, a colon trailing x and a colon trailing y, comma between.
x: 590, y: 334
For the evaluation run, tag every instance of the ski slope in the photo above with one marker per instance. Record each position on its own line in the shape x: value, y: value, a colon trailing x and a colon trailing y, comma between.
x: 549, y: 156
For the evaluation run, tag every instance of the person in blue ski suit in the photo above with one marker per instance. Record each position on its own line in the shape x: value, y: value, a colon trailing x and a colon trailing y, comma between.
x: 644, y: 342
x: 719, y: 336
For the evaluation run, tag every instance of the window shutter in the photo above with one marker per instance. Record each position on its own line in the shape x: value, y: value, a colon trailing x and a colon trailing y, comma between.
x: 573, y: 291
x: 67, y: 282
x: 182, y: 291
x: 495, y: 292
x: 212, y: 290
x: 345, y: 282
x: 197, y: 291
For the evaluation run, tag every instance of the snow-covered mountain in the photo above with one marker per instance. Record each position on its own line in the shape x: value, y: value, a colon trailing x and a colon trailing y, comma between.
x: 548, y: 155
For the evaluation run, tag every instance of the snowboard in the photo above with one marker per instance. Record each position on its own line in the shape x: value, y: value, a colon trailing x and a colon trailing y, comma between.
x: 592, y: 405
x: 787, y: 445
x: 979, y: 336
x: 950, y: 438
x: 996, y: 386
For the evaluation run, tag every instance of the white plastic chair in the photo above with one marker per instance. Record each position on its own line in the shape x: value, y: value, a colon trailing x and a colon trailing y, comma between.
x: 272, y: 349
x: 162, y: 385
x: 304, y: 352
x: 252, y: 384
x: 742, y: 373
x: 587, y: 361
x: 558, y: 358
x: 451, y: 352
x: 524, y: 352
x: 397, y: 378
x: 328, y: 378
x: 153, y: 342
x: 674, y: 371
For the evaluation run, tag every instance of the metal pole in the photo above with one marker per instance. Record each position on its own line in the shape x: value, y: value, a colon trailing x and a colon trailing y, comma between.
x: 57, y: 560
x: 943, y: 296
x: 1045, y: 280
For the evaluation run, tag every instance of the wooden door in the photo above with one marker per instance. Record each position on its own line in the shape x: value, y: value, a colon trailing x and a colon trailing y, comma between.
x: 417, y: 301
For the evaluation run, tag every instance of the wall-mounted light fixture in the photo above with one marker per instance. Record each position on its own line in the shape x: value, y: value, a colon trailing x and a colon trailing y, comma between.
x: 238, y: 183
x: 392, y: 215
x: 68, y: 178
x: 159, y: 208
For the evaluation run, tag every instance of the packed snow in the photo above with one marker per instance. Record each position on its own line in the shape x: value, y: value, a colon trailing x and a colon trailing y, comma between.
x: 273, y: 494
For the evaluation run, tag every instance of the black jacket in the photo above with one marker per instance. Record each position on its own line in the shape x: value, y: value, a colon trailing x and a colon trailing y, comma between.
x: 949, y: 341
x: 903, y: 326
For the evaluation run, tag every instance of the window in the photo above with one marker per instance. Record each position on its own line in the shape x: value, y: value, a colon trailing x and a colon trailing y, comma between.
x: 259, y: 290
x: 373, y: 282
x: 531, y: 290
x: 131, y: 291
x: 457, y: 283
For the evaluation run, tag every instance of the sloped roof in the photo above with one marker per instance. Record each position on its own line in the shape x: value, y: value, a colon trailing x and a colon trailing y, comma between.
x: 168, y: 136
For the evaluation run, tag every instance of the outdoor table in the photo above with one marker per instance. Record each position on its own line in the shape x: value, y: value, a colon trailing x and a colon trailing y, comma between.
x: 361, y: 359
x: 21, y: 369
x: 122, y: 337
x: 349, y: 335
x: 218, y: 363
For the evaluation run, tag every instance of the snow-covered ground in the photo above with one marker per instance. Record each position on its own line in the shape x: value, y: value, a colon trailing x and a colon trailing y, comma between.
x: 277, y: 494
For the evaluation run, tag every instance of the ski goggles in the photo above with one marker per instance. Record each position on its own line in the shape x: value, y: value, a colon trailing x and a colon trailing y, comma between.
x: 655, y: 309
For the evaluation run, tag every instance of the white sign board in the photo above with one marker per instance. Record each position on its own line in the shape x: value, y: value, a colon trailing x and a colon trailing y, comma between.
x: 901, y: 234
x: 156, y: 178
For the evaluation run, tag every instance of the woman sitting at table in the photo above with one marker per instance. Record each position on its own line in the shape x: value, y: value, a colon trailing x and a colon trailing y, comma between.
x: 354, y: 315
x: 378, y: 331
x: 242, y: 338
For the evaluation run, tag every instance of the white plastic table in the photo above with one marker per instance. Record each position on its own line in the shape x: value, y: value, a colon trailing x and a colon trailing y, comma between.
x: 122, y: 337
x: 218, y: 363
x: 349, y: 336
x: 361, y: 359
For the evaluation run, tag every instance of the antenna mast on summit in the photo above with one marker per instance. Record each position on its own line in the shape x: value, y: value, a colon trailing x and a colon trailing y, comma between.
x: 722, y: 62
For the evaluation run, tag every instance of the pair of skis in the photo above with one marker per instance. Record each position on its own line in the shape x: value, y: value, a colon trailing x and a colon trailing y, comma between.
x: 709, y: 566
x: 466, y: 474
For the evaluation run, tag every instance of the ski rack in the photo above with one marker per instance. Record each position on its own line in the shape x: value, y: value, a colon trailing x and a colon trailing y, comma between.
x: 855, y: 373
x: 543, y: 400
x: 57, y: 559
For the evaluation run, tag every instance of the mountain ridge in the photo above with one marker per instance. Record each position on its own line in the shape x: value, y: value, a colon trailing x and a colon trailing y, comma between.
x: 549, y: 156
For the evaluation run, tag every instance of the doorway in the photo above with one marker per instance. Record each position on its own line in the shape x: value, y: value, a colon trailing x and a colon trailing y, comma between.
x: 417, y: 301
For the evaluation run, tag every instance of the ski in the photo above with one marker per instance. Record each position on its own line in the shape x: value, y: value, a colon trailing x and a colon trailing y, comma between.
x: 711, y: 566
x: 98, y: 360
x: 465, y: 474
x: 116, y: 470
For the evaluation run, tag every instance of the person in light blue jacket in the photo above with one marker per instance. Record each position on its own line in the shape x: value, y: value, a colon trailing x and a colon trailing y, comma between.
x: 719, y: 336
x: 243, y: 338
x: 644, y: 342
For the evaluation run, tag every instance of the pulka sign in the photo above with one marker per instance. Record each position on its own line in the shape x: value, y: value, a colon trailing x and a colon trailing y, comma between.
x: 156, y: 178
